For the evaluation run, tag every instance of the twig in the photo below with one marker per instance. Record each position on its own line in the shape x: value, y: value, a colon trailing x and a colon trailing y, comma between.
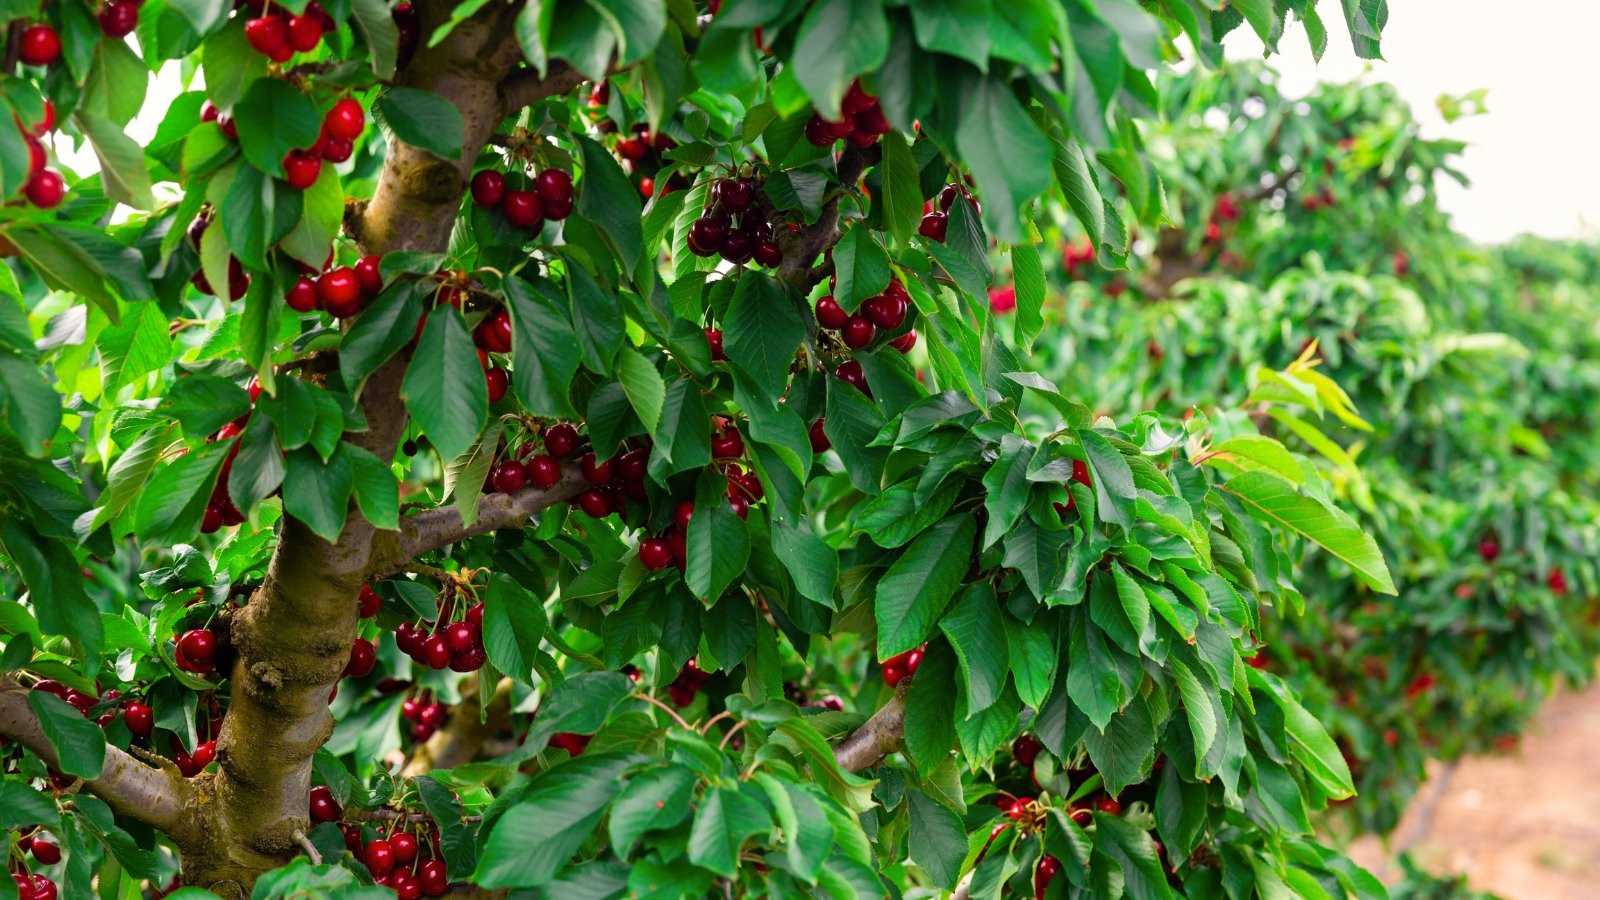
x: 524, y: 87
x: 441, y: 527
x: 13, y: 46
x: 670, y: 711
x: 306, y: 845
x: 731, y: 732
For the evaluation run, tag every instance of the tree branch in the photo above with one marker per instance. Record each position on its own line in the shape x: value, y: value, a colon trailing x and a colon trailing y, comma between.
x: 130, y: 787
x: 525, y: 87
x: 877, y: 737
x: 461, y: 740
x: 801, y: 248
x: 442, y: 527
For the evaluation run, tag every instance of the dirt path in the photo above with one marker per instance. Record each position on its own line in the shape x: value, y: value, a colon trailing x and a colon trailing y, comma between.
x: 1525, y: 826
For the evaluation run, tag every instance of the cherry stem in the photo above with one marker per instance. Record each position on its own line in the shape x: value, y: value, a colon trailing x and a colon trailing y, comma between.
x: 670, y: 711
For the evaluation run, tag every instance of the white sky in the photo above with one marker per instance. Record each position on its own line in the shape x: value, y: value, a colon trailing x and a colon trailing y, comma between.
x: 1532, y: 157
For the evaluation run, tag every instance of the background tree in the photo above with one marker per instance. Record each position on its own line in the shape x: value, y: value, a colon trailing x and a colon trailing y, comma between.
x: 640, y: 349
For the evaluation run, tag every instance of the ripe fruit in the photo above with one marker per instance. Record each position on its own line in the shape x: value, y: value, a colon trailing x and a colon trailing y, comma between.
x: 1108, y: 805
x: 323, y: 807
x: 554, y: 187
x: 714, y: 340
x: 139, y: 718
x: 632, y: 149
x: 858, y: 332
x: 738, y: 246
x: 595, y: 471
x: 655, y: 553
x: 850, y: 373
x: 905, y: 342
x: 934, y: 226
x: 1025, y: 750
x: 301, y: 168
x: 488, y: 188
x: 596, y: 503
x: 40, y: 45
x: 509, y: 477
x: 369, y: 602
x: 119, y: 19
x: 830, y: 314
x: 494, y: 332
x: 302, y: 295
x: 819, y: 131
x: 362, y: 659
x: 561, y: 439
x: 522, y: 209
x: 706, y: 235
x: 268, y: 35
x: 404, y: 847
x: 45, y: 852
x: 346, y: 120
x: 498, y: 380
x: 727, y: 444
x: 199, y: 646
x: 1557, y: 580
x: 435, y: 652
x: 46, y: 189
x: 893, y: 675
x: 379, y: 857
x: 1489, y: 547
x: 885, y: 310
x: 369, y: 273
x: 819, y: 437
x: 1043, y: 874
x: 543, y: 471
x: 682, y: 514
x: 304, y: 33
x: 460, y: 637
x: 767, y: 253
x: 435, y: 881
x: 339, y: 292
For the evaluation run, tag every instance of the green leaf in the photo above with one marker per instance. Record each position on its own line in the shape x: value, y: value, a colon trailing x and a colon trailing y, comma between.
x: 597, y: 320
x: 993, y: 131
x: 608, y: 199
x: 21, y: 805
x: 764, y: 329
x: 379, y: 333
x: 135, y: 346
x: 930, y: 729
x: 978, y: 636
x: 122, y: 167
x: 719, y: 546
x: 544, y: 347
x: 1133, y: 854
x: 377, y: 491
x: 1006, y: 488
x: 1092, y: 679
x: 444, y: 387
x: 259, y: 468
x: 1276, y: 502
x: 637, y: 23
x: 861, y: 268
x: 423, y: 119
x: 29, y: 406
x: 812, y: 562
x: 274, y: 118
x: 683, y: 441
x: 1124, y: 752
x: 653, y: 800
x: 318, y: 493
x: 643, y: 385
x: 913, y: 594
x: 902, y: 189
x: 79, y: 744
x: 1078, y: 184
x: 249, y: 213
x: 725, y: 819
x: 322, y: 214
x: 937, y: 841
x: 852, y: 423
x: 534, y: 839
x: 838, y: 40
x: 375, y: 20
x: 1028, y: 275
x: 959, y: 28
x: 513, y: 625
x: 1113, y: 479
x: 175, y: 499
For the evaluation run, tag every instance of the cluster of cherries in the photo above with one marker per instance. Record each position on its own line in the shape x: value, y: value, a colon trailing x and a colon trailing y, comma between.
x: 737, y: 225
x: 45, y: 187
x: 34, y: 886
x: 395, y: 861
x: 340, y: 291
x: 220, y: 509
x: 341, y: 126
x: 279, y: 34
x: 862, y: 122
x: 935, y: 224
x: 454, y: 645
x: 196, y: 651
x: 690, y: 680
x: 238, y: 278
x: 886, y: 311
x: 551, y: 197
x: 425, y: 714
x: 642, y: 153
x: 901, y: 666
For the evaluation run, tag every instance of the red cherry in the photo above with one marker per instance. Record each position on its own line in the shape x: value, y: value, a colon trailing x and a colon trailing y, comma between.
x: 346, y: 120
x: 199, y: 645
x: 323, y: 807
x: 705, y: 236
x: 37, y: 158
x: 597, y: 504
x: 871, y: 124
x: 738, y: 246
x: 521, y: 208
x: 301, y: 168
x: 46, y: 852
x: 544, y: 471
x: 303, y: 34
x: 435, y: 652
x: 682, y: 514
x: 819, y: 437
x: 1108, y: 805
x: 595, y: 471
x: 434, y: 879
x: 379, y: 857
x: 268, y: 35
x: 43, y: 888
x: 362, y: 659
x: 905, y: 342
x: 46, y: 189
x: 647, y: 187
x: 767, y: 253
x: 830, y: 314
x: 139, y: 718
x: 40, y: 45
x: 632, y: 150
x: 488, y: 188
x: 934, y: 227
x: 893, y: 674
x: 714, y: 340
x: 655, y: 553
x: 475, y: 616
x: 404, y: 846
x: 339, y: 292
x: 727, y: 444
x: 460, y: 637
x: 1043, y: 874
x: 1025, y: 750
x: 561, y: 439
x: 740, y: 506
x: 858, y: 332
x: 857, y: 100
x: 885, y: 310
x: 205, y: 754
x: 119, y: 19
x: 554, y: 186
x: 1489, y: 547
x: 432, y: 715
x: 370, y: 275
x: 469, y: 660
x: 498, y: 380
x: 369, y: 602
x: 47, y: 121
x: 509, y: 477
x: 819, y: 131
x: 302, y: 295
x: 494, y: 332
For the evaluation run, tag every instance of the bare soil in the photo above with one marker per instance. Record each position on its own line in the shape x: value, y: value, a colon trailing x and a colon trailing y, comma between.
x: 1525, y: 825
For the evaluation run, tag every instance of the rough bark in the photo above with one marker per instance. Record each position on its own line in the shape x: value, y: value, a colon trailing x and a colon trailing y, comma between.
x: 877, y: 737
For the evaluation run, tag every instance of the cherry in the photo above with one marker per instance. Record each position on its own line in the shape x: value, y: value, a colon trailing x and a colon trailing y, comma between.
x: 597, y: 504
x: 1080, y: 473
x: 302, y: 295
x: 819, y: 437
x: 37, y: 158
x: 43, y: 888
x: 521, y: 208
x: 494, y: 332
x: 767, y: 253
x: 139, y: 718
x: 740, y: 506
x: 460, y: 637
x: 727, y: 444
x: 323, y: 807
x: 199, y: 645
x: 369, y: 273
x: 488, y: 188
x: 40, y: 45
x: 934, y: 226
x: 404, y: 846
x: 871, y: 124
x: 857, y: 100
x: 301, y: 168
x: 706, y: 235
x: 253, y: 388
x: 469, y: 660
x: 45, y: 852
x: 46, y: 189
x: 738, y: 245
x: 1043, y: 874
x: 632, y: 149
x: 830, y: 314
x: 1557, y: 581
x: 346, y: 120
x: 1489, y: 547
x: 820, y: 132
x: 432, y: 715
x: 893, y: 674
x: 905, y: 342
x: 509, y: 477
x: 119, y: 19
x: 595, y: 471
x: 858, y: 332
x: 1108, y: 805
x: 554, y: 186
x: 211, y: 521
x: 339, y: 292
x: 682, y: 514
x: 434, y: 879
x: 268, y: 35
x: 379, y: 857
x: 655, y: 553
x: 405, y: 885
x: 498, y: 380
x: 714, y: 340
x: 574, y: 744
x: 435, y: 652
x: 561, y: 439
x: 205, y: 754
x: 304, y: 34
x: 544, y: 471
x: 475, y: 616
x: 1025, y: 750
x: 362, y: 659
x: 885, y: 310
x: 47, y: 121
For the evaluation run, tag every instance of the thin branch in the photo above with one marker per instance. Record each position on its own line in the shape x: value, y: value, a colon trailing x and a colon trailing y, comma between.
x: 13, y: 46
x: 670, y: 711
x: 130, y: 788
x: 801, y: 248
x: 306, y: 845
x: 437, y: 528
x: 525, y: 87
x: 877, y: 737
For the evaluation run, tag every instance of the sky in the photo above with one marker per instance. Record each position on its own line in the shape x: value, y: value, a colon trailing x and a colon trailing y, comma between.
x: 1532, y: 157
